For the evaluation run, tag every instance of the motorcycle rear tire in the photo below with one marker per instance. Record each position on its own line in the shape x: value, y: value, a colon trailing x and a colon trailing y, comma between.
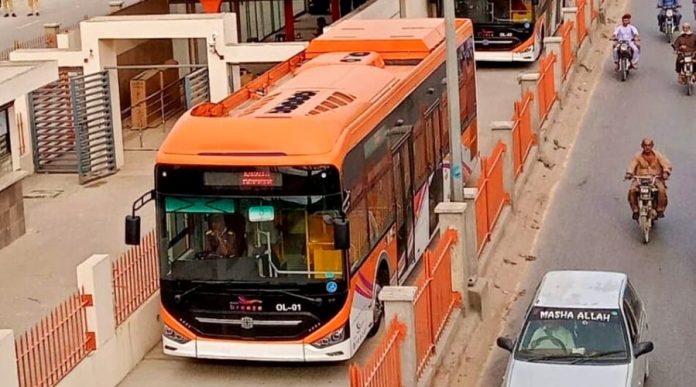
x: 689, y: 86
x: 624, y: 73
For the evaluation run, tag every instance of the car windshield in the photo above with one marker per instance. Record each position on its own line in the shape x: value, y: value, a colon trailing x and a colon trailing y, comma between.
x: 496, y: 11
x: 268, y: 238
x: 573, y: 335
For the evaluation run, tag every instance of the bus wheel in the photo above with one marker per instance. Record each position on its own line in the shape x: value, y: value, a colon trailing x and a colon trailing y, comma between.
x: 378, y: 313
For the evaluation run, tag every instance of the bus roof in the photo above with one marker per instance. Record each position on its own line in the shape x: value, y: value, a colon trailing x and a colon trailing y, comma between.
x: 318, y: 102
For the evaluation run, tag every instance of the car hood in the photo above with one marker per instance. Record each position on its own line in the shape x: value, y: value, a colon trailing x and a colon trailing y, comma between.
x: 525, y: 374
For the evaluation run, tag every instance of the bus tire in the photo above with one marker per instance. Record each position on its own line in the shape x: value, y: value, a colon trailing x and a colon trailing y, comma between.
x: 382, y: 281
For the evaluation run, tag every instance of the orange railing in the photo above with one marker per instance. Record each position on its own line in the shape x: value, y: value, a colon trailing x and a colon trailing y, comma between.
x: 567, y: 56
x: 135, y: 277
x: 383, y: 369
x: 582, y: 28
x: 491, y: 196
x: 52, y: 348
x: 546, y: 85
x: 435, y: 299
x: 522, y: 134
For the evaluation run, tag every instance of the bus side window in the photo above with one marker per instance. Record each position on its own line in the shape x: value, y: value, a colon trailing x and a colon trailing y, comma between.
x: 359, y: 237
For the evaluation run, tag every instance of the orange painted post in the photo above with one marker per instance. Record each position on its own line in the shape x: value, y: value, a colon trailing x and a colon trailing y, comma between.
x: 581, y: 21
x: 567, y: 54
x: 546, y: 86
x: 383, y: 368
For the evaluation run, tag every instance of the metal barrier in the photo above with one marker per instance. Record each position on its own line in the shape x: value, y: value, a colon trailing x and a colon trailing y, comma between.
x: 135, y: 277
x: 491, y: 196
x: 580, y: 16
x: 546, y: 86
x: 435, y: 299
x: 47, y: 352
x: 383, y: 369
x: 522, y: 134
x: 567, y: 55
x: 197, y: 87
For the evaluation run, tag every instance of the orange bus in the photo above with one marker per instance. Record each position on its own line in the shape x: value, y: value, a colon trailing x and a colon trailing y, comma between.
x: 283, y: 209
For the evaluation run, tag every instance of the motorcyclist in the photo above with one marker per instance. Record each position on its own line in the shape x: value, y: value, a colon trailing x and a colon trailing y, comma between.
x: 628, y: 32
x: 662, y: 4
x: 653, y: 163
x: 686, y: 42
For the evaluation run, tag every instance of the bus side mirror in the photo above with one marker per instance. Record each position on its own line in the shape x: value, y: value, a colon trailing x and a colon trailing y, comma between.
x: 341, y: 234
x: 132, y: 230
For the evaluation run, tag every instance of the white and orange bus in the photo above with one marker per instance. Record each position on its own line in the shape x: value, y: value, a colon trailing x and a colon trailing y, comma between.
x: 284, y: 209
x: 510, y: 30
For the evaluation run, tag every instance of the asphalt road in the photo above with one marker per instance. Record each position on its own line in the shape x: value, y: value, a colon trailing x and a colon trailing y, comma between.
x: 589, y: 226
x: 65, y: 12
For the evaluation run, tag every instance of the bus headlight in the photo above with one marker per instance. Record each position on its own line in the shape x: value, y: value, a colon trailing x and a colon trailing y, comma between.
x: 173, y: 335
x: 332, y: 338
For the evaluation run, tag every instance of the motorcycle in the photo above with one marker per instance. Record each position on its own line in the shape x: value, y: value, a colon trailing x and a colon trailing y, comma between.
x: 647, y: 203
x: 668, y: 25
x: 687, y: 72
x: 625, y: 58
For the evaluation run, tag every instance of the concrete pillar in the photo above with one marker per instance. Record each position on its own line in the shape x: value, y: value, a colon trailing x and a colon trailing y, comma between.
x: 236, y: 76
x: 552, y: 44
x: 529, y: 82
x: 95, y: 276
x: 51, y: 33
x: 502, y: 131
x: 217, y: 70
x: 570, y: 3
x: 470, y: 237
x: 180, y: 50
x: 8, y: 359
x: 588, y: 18
x: 453, y: 215
x: 413, y: 9
x: 115, y: 6
x: 398, y: 302
x: 571, y: 14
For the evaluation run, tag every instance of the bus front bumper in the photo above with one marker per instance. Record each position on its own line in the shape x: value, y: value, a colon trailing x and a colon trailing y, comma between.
x: 528, y: 55
x: 255, y: 351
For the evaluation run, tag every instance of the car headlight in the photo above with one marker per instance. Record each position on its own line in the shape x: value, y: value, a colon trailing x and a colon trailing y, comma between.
x: 332, y: 338
x: 173, y: 335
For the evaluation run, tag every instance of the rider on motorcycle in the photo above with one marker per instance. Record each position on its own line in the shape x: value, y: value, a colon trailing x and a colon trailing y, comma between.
x: 662, y: 4
x: 654, y: 163
x: 686, y: 42
x: 627, y: 32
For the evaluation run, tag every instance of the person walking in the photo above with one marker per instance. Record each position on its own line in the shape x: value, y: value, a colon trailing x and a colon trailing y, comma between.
x: 8, y: 5
x: 33, y: 7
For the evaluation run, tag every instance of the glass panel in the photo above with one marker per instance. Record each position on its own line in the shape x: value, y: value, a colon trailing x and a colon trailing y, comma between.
x: 380, y: 201
x: 359, y: 238
x: 4, y: 134
x: 495, y: 11
x: 564, y: 334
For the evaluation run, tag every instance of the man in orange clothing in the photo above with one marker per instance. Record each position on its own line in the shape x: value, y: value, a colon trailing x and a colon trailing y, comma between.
x: 653, y: 163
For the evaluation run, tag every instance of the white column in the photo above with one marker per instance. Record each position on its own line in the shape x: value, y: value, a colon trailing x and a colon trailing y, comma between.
x: 571, y: 13
x: 398, y: 302
x: 502, y: 131
x: 552, y: 44
x: 529, y: 82
x: 8, y: 359
x: 453, y: 215
x: 470, y: 243
x: 95, y: 276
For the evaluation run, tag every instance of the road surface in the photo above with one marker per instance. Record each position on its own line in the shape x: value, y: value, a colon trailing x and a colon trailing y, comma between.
x: 588, y: 225
x: 65, y: 12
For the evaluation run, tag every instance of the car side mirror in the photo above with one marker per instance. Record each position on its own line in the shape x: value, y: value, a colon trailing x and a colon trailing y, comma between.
x: 505, y: 343
x: 132, y: 230
x: 341, y: 229
x: 643, y: 348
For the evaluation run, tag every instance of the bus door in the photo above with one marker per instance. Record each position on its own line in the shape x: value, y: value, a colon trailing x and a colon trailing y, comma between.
x: 403, y: 193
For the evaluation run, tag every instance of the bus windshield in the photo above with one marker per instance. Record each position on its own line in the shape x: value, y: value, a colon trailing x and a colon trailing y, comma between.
x: 267, y: 238
x: 496, y: 11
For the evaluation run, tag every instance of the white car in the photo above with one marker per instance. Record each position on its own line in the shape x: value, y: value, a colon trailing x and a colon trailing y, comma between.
x: 583, y: 328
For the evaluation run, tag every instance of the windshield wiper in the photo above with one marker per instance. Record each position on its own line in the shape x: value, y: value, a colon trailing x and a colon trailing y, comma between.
x: 316, y: 301
x: 179, y: 297
x: 597, y: 355
x: 553, y: 357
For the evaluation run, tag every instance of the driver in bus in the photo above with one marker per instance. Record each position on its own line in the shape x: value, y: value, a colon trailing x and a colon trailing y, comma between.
x: 552, y: 335
x: 219, y: 240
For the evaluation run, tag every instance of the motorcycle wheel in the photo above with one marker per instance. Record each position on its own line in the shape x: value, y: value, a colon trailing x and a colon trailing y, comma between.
x: 689, y: 86
x: 624, y: 71
x: 645, y: 227
x: 669, y: 35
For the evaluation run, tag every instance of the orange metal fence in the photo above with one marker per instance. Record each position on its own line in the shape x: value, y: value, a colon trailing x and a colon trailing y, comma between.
x: 383, y: 369
x: 135, y: 277
x: 567, y: 55
x: 491, y: 196
x: 582, y: 28
x: 522, y: 134
x: 546, y: 85
x: 52, y: 348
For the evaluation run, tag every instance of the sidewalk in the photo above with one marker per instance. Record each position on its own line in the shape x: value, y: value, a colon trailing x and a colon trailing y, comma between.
x: 66, y: 223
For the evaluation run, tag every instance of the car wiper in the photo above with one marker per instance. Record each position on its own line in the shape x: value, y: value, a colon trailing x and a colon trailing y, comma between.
x: 179, y: 297
x: 597, y: 355
x: 553, y: 357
